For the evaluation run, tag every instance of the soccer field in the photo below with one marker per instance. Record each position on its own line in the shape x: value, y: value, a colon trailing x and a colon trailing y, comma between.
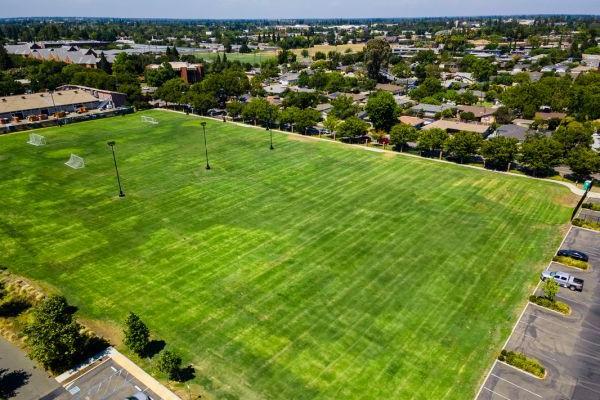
x: 313, y: 271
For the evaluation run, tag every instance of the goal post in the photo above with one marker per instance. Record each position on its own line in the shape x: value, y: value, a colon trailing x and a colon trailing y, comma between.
x: 75, y: 162
x: 149, y: 120
x: 36, y: 140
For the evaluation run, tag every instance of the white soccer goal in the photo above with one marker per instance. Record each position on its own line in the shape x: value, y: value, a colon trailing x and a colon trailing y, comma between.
x: 36, y: 140
x: 149, y: 120
x: 75, y: 162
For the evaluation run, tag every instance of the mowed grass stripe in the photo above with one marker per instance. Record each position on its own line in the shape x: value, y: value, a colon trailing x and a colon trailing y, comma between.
x: 313, y: 271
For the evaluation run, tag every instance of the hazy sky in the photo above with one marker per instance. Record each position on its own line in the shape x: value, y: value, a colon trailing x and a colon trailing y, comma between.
x: 290, y: 8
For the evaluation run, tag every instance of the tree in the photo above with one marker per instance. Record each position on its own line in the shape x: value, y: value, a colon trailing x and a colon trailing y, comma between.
x: 235, y: 109
x: 258, y: 109
x: 169, y: 363
x: 343, y: 107
x: 540, y: 154
x: 467, y: 116
x: 332, y: 123
x: 353, y: 127
x: 157, y: 77
x: 201, y: 102
x: 574, y: 134
x: 136, y: 334
x: 500, y: 151
x: 54, y: 338
x: 376, y: 54
x: 172, y: 91
x: 432, y: 140
x: 103, y: 64
x: 5, y: 60
x: 382, y: 110
x: 462, y: 145
x: 583, y: 161
x: 550, y: 289
x: 304, y: 53
x: 503, y: 115
x: 401, y: 70
x: 401, y: 134
x: 428, y: 88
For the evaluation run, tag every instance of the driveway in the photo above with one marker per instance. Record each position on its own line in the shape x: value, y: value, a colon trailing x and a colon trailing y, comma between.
x: 20, y: 378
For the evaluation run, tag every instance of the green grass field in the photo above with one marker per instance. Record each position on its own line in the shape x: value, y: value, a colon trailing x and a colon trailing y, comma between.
x: 314, y: 271
x: 252, y: 58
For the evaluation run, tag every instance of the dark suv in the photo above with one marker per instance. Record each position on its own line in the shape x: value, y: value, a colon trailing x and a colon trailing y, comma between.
x: 577, y: 255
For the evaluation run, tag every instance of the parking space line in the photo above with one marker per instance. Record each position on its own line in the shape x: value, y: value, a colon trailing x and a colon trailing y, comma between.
x: 497, y: 394
x: 514, y: 384
x: 567, y: 332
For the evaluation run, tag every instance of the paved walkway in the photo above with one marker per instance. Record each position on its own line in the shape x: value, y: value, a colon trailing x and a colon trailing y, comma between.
x: 20, y: 378
x: 569, y: 185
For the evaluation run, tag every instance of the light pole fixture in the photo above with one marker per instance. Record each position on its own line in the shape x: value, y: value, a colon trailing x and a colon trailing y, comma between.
x: 203, y: 123
x: 111, y: 144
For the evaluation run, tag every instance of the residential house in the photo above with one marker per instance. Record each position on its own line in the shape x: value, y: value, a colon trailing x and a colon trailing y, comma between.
x: 429, y: 110
x: 482, y: 114
x: 511, y: 131
x: 388, y: 87
x: 415, y: 122
x: 452, y: 126
x: 188, y: 72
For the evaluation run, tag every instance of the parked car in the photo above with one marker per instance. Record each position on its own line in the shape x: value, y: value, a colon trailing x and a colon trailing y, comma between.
x: 139, y: 396
x: 577, y: 255
x: 215, y: 112
x: 563, y: 279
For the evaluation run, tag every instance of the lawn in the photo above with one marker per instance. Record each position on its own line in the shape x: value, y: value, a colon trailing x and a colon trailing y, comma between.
x: 313, y: 271
x: 252, y: 58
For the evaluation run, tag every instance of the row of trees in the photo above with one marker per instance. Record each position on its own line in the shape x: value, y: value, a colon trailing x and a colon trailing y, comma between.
x: 539, y: 154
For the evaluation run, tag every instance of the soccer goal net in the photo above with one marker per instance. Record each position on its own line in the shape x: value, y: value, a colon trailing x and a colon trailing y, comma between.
x: 36, y: 140
x: 75, y: 162
x: 149, y: 120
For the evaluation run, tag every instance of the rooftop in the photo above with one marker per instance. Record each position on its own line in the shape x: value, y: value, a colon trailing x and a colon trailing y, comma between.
x: 33, y: 101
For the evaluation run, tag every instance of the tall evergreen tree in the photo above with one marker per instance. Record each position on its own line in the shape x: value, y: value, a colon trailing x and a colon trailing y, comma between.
x: 136, y: 333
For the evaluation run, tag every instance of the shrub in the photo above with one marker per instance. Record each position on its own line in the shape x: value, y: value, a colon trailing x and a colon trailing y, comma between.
x: 561, y: 307
x: 169, y: 363
x: 550, y: 288
x: 571, y: 262
x: 586, y: 224
x: 520, y: 361
x: 591, y: 206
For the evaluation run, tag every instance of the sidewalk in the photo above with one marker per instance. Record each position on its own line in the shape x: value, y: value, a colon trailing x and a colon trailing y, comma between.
x: 574, y: 189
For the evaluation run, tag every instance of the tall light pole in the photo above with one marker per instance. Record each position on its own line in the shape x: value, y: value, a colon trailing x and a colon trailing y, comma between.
x: 270, y: 132
x: 111, y: 144
x: 203, y: 123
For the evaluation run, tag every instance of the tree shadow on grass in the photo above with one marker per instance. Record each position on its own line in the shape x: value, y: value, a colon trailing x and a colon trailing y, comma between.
x: 11, y: 381
x: 14, y: 307
x: 154, y: 347
x: 186, y: 374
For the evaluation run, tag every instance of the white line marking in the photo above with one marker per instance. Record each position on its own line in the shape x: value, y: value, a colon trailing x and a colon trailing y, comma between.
x: 520, y: 387
x: 498, y: 394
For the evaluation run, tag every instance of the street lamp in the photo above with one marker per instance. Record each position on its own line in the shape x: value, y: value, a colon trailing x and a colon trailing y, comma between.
x: 270, y: 132
x: 111, y: 144
x: 205, y: 147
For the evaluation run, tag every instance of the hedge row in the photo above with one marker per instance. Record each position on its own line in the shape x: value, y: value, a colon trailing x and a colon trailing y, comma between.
x: 520, y: 361
x: 559, y: 306
x: 571, y: 262
x: 586, y: 224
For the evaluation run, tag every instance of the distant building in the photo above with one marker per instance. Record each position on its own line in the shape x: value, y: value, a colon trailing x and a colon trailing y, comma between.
x: 429, y: 110
x: 511, y: 131
x: 188, y: 72
x: 69, y: 54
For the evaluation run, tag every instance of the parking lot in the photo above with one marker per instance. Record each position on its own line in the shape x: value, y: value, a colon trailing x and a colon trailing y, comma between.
x: 106, y: 380
x: 567, y: 346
